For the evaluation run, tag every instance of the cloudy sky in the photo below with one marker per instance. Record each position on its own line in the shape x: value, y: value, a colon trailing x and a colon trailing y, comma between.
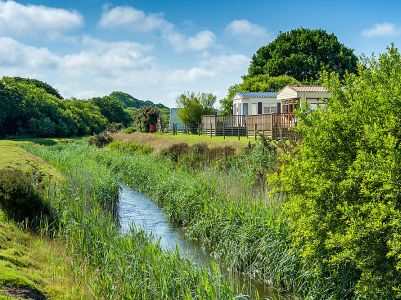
x: 155, y: 50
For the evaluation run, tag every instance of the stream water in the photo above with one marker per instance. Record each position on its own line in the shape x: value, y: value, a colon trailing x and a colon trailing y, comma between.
x: 136, y: 208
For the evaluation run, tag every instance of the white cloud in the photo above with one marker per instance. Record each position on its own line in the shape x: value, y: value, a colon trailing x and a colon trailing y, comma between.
x: 101, y: 67
x: 382, y: 30
x: 133, y: 19
x: 201, y: 41
x: 246, y: 31
x: 122, y: 16
x: 18, y: 19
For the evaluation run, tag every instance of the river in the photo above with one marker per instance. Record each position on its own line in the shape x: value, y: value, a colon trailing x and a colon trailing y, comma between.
x: 136, y: 208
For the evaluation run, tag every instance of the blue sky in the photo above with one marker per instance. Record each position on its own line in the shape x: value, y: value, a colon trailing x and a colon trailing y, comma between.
x: 155, y: 50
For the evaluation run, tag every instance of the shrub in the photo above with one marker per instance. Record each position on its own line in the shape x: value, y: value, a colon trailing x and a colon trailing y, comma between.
x: 344, y: 182
x: 130, y: 130
x: 175, y: 151
x: 19, y: 197
x: 100, y: 140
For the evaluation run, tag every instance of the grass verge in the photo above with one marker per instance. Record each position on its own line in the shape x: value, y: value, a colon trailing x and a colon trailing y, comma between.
x: 33, y: 265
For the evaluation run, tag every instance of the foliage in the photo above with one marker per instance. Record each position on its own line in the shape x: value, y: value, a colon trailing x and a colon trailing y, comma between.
x: 128, y: 147
x: 20, y: 199
x: 257, y: 83
x: 112, y: 109
x: 27, y: 109
x: 343, y: 183
x: 146, y: 116
x: 39, y: 84
x: 131, y: 102
x: 303, y: 54
x: 100, y: 140
x: 193, y: 106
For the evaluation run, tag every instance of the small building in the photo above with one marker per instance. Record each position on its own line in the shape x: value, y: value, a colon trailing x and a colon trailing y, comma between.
x: 293, y: 96
x: 255, y: 103
x: 175, y: 120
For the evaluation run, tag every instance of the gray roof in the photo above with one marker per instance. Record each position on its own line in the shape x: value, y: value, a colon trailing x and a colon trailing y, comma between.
x: 246, y: 95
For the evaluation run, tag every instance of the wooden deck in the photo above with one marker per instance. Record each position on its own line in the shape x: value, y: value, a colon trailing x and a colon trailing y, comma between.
x: 276, y: 125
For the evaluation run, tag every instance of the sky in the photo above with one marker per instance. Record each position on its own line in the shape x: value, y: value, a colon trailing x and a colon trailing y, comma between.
x: 155, y: 50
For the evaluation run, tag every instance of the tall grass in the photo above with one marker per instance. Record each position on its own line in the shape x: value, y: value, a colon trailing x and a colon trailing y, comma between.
x: 249, y: 236
x: 118, y: 267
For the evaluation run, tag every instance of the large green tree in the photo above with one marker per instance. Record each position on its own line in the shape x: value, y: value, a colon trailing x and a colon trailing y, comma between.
x: 112, y: 109
x: 303, y: 54
x: 343, y: 183
x: 193, y: 106
x: 258, y: 83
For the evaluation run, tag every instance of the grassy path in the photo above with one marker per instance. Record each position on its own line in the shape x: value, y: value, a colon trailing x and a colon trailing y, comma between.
x: 30, y: 265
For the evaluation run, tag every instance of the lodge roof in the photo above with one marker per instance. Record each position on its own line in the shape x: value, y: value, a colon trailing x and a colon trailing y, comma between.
x: 308, y: 88
x: 248, y: 95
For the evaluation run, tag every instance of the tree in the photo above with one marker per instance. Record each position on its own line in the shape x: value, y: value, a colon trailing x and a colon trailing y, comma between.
x: 343, y: 183
x: 193, y: 106
x: 258, y: 83
x: 303, y: 54
x: 146, y: 116
x: 112, y: 109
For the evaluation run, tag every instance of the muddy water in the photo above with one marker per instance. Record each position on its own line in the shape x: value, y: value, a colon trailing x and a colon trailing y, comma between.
x: 136, y: 209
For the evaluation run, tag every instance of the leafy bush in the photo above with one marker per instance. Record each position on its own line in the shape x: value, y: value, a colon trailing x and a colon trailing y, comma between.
x: 129, y: 130
x: 146, y: 116
x: 19, y: 197
x: 175, y: 151
x: 100, y: 140
x: 343, y: 184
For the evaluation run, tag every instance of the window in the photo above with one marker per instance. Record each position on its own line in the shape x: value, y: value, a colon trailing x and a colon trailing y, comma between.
x: 266, y: 108
x: 254, y: 109
x: 272, y: 109
x: 245, y: 108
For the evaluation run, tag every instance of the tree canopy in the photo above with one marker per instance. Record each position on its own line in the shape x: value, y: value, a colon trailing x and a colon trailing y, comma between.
x: 258, y: 83
x: 343, y: 183
x: 34, y: 108
x: 193, y: 106
x: 303, y: 54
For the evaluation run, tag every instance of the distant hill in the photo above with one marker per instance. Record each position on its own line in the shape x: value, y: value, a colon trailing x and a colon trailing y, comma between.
x: 128, y: 101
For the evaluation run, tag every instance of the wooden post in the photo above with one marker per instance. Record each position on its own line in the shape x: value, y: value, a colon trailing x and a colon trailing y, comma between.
x: 255, y: 130
x: 211, y: 129
x: 224, y: 129
x: 199, y: 129
x: 238, y: 130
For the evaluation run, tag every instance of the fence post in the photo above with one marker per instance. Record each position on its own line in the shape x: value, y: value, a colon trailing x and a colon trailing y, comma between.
x: 255, y: 130
x: 224, y: 129
x: 211, y: 129
x: 238, y: 131
x: 199, y: 129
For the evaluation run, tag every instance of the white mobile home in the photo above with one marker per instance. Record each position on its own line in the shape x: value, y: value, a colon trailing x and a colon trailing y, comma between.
x: 254, y: 103
x: 292, y: 96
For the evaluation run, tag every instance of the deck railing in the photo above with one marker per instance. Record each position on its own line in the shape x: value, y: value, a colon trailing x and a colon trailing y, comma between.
x: 275, y: 125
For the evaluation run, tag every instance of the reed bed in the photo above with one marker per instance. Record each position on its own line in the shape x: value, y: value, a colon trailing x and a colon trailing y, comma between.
x: 132, y: 266
x: 248, y: 236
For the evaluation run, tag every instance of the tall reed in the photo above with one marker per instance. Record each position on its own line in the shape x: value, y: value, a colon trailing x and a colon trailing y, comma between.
x: 132, y: 266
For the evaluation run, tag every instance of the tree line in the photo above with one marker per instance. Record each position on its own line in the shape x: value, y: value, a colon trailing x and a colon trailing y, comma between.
x: 29, y: 107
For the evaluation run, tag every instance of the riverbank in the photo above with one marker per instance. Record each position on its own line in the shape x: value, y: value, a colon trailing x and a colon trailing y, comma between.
x: 32, y: 264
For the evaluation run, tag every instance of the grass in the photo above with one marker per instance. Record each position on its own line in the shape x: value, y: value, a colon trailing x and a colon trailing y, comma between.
x: 33, y: 264
x: 163, y: 141
x: 12, y: 155
x: 118, y: 267
x: 250, y: 236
